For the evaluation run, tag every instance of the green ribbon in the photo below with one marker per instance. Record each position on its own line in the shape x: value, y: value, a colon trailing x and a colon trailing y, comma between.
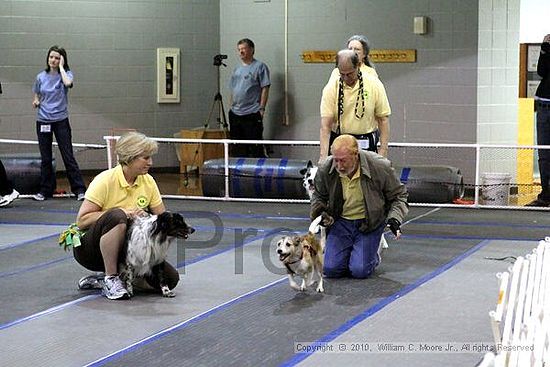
x: 70, y: 237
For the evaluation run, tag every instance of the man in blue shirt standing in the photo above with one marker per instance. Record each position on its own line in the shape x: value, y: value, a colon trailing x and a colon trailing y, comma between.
x: 249, y: 85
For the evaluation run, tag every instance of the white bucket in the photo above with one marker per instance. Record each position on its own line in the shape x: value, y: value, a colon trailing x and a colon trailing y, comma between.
x: 495, y: 188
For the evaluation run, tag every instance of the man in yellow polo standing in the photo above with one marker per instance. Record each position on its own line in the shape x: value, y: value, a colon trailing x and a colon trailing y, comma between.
x: 355, y: 104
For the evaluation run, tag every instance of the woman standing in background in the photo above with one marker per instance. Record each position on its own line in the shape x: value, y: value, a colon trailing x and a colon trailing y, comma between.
x: 360, y: 44
x: 50, y: 99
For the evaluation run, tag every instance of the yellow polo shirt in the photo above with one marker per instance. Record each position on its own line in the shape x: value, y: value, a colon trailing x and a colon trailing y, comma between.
x: 110, y: 189
x: 354, y: 203
x: 376, y: 105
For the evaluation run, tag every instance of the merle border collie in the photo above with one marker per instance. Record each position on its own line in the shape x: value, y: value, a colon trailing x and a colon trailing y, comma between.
x: 149, y: 239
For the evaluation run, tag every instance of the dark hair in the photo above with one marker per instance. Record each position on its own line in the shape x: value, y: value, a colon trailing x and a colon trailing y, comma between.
x: 247, y: 41
x: 62, y: 52
x: 366, y: 47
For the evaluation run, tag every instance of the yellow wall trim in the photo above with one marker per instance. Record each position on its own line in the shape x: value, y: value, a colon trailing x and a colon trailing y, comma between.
x: 526, y: 136
x: 382, y: 55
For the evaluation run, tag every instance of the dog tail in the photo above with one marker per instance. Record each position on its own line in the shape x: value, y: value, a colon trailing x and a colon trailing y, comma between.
x: 315, y: 225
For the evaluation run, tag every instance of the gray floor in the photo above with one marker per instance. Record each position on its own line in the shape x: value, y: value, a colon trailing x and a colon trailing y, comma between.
x: 234, y: 306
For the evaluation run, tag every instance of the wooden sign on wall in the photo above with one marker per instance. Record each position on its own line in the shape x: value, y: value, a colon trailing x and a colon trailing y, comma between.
x: 378, y: 56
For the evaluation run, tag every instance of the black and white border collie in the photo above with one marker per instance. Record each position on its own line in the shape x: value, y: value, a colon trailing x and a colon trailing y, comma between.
x: 149, y: 239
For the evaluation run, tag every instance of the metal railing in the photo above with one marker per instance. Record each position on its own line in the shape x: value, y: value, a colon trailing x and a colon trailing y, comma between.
x: 475, y: 166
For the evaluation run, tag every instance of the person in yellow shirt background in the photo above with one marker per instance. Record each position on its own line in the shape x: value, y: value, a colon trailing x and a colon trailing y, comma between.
x: 356, y: 104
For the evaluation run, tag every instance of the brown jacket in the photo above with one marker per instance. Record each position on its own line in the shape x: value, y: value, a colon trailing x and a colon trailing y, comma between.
x: 385, y: 196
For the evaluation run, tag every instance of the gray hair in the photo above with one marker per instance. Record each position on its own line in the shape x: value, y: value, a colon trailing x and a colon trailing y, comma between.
x: 349, y: 56
x: 246, y: 41
x: 132, y: 145
x: 366, y: 47
x: 346, y: 141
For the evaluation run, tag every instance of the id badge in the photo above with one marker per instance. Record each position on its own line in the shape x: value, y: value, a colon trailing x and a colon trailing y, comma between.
x: 363, y: 144
x: 46, y: 128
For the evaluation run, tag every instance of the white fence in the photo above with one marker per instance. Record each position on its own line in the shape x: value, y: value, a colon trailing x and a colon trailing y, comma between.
x: 521, y: 320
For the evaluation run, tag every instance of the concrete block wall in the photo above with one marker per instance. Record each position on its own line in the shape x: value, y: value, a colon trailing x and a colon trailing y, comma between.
x: 432, y: 100
x: 498, y: 79
x: 498, y: 71
x: 460, y: 90
x: 111, y: 47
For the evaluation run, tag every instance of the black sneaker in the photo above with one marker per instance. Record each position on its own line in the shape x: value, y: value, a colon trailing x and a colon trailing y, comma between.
x: 538, y: 202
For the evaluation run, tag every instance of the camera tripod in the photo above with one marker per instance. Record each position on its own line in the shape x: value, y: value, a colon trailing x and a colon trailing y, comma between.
x: 217, y: 103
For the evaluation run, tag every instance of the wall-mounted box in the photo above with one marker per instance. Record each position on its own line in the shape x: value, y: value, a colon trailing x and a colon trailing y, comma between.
x: 420, y: 25
x: 168, y: 75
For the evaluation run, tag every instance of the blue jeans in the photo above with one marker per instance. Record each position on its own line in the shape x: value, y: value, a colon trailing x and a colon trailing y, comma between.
x: 543, y: 138
x: 62, y: 131
x: 350, y: 252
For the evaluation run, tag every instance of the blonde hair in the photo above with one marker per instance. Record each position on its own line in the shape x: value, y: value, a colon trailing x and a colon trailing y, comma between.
x: 345, y: 141
x: 132, y: 145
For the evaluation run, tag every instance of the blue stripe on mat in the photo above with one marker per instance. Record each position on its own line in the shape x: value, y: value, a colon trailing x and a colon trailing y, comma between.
x: 481, y: 224
x: 64, y: 305
x: 181, y: 325
x: 458, y: 238
x: 48, y: 311
x: 296, y: 218
x: 383, y: 303
x: 35, y: 267
x: 234, y: 246
x: 23, y: 243
x: 327, y: 338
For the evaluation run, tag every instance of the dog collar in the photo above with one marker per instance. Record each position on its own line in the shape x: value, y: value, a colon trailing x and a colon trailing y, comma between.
x: 289, y: 269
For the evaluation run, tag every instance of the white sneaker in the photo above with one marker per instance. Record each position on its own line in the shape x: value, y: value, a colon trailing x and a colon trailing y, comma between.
x: 38, y: 197
x: 94, y: 281
x: 7, y: 199
x: 114, y: 289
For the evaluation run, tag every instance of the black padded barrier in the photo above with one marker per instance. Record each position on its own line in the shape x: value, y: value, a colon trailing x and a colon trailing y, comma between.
x: 273, y: 178
x: 283, y: 178
x: 23, y: 170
